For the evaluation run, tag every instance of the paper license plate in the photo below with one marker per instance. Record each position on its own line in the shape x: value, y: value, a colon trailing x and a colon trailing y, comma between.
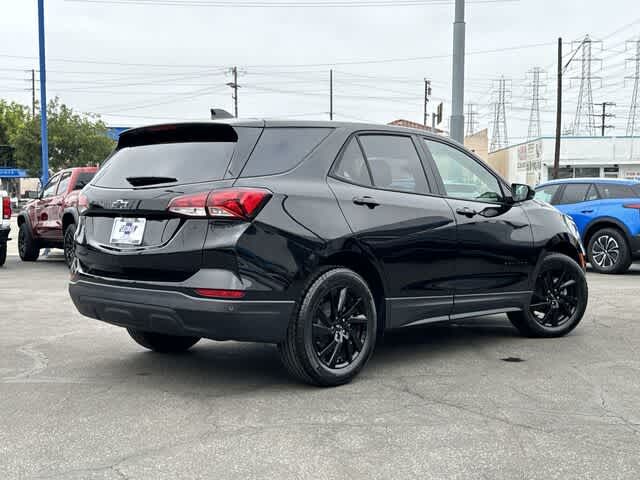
x: 127, y: 231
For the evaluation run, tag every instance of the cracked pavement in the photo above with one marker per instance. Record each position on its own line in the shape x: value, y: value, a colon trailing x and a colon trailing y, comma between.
x: 80, y: 400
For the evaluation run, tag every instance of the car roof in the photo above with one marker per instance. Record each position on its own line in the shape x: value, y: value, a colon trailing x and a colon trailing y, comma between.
x: 619, y: 181
x: 284, y: 123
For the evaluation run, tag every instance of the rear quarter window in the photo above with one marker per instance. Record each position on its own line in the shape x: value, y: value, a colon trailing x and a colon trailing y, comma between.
x: 611, y: 190
x: 281, y: 149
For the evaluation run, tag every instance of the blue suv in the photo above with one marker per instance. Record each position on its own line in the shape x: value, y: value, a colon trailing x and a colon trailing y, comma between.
x: 607, y: 213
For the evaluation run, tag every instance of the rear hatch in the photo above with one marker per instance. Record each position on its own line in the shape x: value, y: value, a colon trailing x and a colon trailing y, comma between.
x: 128, y: 229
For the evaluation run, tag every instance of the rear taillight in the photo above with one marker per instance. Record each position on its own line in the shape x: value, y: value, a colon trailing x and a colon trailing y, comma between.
x: 243, y: 203
x: 6, y: 208
x: 635, y: 206
x: 83, y: 202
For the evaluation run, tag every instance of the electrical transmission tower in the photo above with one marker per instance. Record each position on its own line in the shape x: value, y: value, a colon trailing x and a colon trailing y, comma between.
x: 500, y: 138
x: 472, y: 123
x: 537, y: 82
x: 632, y: 121
x: 584, y: 120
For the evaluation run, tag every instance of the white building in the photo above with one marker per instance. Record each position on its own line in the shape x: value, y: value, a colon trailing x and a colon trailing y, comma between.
x: 532, y: 162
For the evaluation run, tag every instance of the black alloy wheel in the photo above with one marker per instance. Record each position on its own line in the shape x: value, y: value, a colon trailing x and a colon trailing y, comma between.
x: 332, y: 331
x: 558, y: 301
x: 69, y: 244
x: 339, y: 327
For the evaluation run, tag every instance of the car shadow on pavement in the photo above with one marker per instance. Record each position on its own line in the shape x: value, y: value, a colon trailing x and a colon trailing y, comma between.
x: 212, y: 366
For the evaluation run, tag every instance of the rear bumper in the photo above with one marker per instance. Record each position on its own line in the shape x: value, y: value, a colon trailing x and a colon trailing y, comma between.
x: 176, y: 313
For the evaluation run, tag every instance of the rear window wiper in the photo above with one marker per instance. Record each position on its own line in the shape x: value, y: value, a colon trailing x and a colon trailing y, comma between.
x: 144, y: 181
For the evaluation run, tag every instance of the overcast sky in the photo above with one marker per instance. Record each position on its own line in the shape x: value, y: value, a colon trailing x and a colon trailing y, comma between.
x: 135, y: 64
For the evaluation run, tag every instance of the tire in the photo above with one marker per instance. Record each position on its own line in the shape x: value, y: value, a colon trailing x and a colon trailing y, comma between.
x: 69, y: 244
x: 557, y: 313
x: 161, y: 343
x: 28, y: 248
x: 335, y: 315
x: 606, y: 245
x: 3, y: 253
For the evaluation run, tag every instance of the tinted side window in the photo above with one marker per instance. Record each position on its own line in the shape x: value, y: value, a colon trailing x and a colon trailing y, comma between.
x: 546, y: 193
x: 592, y: 194
x: 281, y: 149
x: 394, y: 163
x: 574, y: 193
x: 50, y: 188
x: 83, y: 179
x: 64, y: 183
x: 610, y: 190
x: 352, y: 166
x: 463, y: 177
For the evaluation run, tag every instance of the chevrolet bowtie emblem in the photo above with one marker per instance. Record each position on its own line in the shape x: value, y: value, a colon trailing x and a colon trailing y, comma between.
x: 120, y: 204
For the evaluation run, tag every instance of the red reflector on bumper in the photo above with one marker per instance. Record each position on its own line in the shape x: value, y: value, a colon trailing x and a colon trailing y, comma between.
x: 217, y: 293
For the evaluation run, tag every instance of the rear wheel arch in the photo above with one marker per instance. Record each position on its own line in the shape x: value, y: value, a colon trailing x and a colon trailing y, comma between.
x: 364, y: 267
x: 604, y: 223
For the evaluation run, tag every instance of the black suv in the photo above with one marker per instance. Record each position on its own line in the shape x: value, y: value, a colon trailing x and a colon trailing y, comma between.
x: 315, y: 236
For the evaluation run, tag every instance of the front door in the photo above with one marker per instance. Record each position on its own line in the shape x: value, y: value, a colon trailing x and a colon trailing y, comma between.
x: 42, y: 225
x: 383, y: 192
x: 494, y: 239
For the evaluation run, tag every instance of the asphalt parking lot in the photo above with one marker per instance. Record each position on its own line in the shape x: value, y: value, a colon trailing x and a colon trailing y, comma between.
x: 80, y: 400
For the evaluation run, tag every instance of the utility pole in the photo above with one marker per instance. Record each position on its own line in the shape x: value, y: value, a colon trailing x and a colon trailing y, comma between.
x: 234, y: 87
x: 556, y: 156
x: 457, y: 104
x: 33, y: 93
x: 331, y: 94
x: 605, y: 115
x: 44, y: 139
x: 427, y: 95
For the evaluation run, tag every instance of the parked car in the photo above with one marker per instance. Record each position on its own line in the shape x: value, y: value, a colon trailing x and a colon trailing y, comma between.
x: 49, y: 221
x: 310, y: 235
x: 607, y: 213
x: 5, y: 224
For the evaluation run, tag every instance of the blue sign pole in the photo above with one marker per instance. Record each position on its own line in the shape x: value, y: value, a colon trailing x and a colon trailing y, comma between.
x: 43, y: 98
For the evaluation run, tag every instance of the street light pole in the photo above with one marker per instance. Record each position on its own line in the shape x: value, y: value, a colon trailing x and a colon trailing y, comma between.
x: 457, y: 103
x: 44, y: 141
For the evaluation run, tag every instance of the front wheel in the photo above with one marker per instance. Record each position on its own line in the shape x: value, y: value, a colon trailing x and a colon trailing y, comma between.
x: 609, y: 252
x: 69, y: 244
x: 558, y: 302
x: 28, y: 248
x: 161, y: 343
x: 332, y: 332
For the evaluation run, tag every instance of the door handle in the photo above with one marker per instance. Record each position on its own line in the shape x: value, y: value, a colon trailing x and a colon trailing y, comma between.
x: 586, y: 211
x: 467, y: 212
x: 366, y: 200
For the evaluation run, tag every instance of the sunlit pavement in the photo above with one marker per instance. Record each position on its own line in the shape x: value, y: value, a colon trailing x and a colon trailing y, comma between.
x: 80, y: 400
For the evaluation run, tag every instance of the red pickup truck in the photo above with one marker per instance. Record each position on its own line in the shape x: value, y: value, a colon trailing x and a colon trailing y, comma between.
x: 50, y: 220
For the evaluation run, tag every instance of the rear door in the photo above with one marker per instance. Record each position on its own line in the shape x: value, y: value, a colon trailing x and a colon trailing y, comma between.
x: 494, y: 239
x: 387, y: 200
x: 127, y: 231
x: 55, y: 208
x: 580, y: 201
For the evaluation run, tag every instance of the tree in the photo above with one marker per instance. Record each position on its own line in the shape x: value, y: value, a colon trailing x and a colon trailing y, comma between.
x: 12, y: 116
x: 74, y: 140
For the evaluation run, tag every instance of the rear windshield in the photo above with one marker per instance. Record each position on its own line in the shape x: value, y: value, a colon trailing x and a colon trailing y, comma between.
x: 167, y: 163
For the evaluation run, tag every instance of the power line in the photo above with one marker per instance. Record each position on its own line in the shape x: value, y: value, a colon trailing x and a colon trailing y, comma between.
x: 285, y: 4
x: 585, y: 96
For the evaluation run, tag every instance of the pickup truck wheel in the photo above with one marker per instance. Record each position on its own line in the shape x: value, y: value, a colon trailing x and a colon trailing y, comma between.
x: 28, y: 248
x: 69, y: 244
x: 159, y: 342
x: 3, y: 253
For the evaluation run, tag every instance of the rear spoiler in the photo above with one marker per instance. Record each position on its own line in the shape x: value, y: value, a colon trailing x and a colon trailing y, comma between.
x: 177, y: 133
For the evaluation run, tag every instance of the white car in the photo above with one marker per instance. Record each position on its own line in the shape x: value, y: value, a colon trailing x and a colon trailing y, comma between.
x: 5, y: 224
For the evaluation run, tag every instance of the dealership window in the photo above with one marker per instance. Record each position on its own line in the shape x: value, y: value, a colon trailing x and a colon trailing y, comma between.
x: 611, y: 172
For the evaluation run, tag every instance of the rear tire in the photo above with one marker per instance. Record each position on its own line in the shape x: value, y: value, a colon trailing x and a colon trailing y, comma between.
x: 161, y: 343
x: 28, y: 248
x: 609, y: 251
x: 558, y: 302
x: 332, y: 331
x: 3, y: 253
x: 69, y: 244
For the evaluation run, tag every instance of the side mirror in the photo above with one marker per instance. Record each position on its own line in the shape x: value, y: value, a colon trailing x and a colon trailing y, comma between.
x: 521, y: 192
